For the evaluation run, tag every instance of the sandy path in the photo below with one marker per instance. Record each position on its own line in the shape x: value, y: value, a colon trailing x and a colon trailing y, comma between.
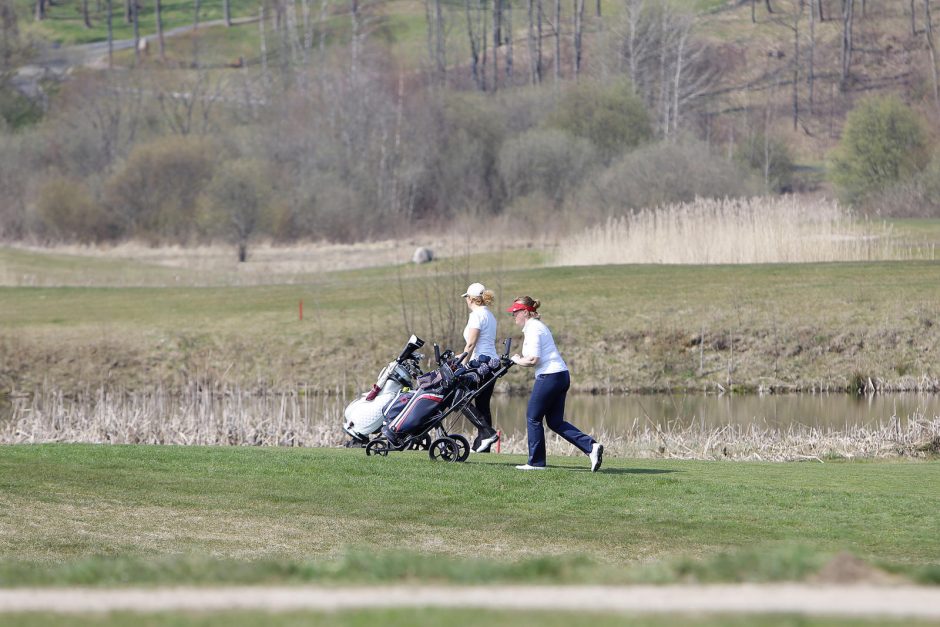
x: 819, y: 600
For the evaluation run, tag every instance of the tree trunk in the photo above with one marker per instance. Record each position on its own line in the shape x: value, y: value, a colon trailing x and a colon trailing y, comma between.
x: 557, y: 40
x: 196, y: 7
x: 597, y: 9
x: 811, y: 70
x: 128, y: 12
x: 110, y: 35
x: 770, y: 9
x: 441, y: 47
x: 753, y: 11
x: 530, y: 40
x: 848, y: 18
x: 796, y: 69
x: 136, y: 21
x: 474, y: 47
x: 497, y: 39
x: 509, y: 49
x: 578, y: 24
x: 538, y: 39
x: 227, y: 12
x: 158, y: 15
x: 819, y: 7
x: 928, y: 33
x: 40, y: 10
x: 85, y: 17
x: 264, y: 47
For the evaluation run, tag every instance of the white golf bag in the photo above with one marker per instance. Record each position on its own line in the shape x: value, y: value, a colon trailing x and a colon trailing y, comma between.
x: 364, y: 416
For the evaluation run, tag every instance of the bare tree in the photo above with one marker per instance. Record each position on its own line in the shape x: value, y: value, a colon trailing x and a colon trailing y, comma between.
x: 670, y: 69
x: 535, y: 41
x: 227, y: 12
x: 913, y: 19
x: 473, y: 36
x: 187, y: 105
x: 136, y: 22
x: 509, y: 48
x: 86, y: 19
x: 577, y: 36
x: 40, y: 12
x: 811, y: 64
x: 497, y: 39
x: 848, y: 20
x: 928, y: 34
x: 791, y: 19
x: 110, y: 34
x: 158, y: 17
x: 557, y: 28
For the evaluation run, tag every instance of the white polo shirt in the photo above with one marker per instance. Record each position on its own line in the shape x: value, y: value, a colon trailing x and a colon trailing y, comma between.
x: 483, y: 319
x: 538, y: 342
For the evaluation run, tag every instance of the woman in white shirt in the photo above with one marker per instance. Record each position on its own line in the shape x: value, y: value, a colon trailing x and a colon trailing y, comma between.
x: 550, y: 390
x: 480, y: 336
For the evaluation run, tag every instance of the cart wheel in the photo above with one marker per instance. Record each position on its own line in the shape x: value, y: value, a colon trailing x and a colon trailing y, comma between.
x: 463, y: 446
x: 377, y: 447
x: 444, y: 449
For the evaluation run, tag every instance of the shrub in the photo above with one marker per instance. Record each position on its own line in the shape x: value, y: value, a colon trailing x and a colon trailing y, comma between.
x: 918, y: 197
x: 770, y: 157
x: 883, y: 143
x: 235, y: 202
x: 67, y: 211
x: 610, y: 116
x: 667, y: 173
x: 547, y: 160
x: 155, y: 190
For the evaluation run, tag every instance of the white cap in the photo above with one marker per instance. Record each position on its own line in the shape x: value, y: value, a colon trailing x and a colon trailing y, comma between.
x: 475, y: 290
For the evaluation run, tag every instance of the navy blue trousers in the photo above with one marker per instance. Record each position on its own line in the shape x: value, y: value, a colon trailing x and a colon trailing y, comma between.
x: 548, y: 401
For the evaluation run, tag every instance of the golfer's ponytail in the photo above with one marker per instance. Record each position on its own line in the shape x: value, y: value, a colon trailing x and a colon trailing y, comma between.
x: 532, y: 304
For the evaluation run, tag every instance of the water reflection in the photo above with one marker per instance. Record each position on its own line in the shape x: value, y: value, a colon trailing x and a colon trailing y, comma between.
x: 833, y: 411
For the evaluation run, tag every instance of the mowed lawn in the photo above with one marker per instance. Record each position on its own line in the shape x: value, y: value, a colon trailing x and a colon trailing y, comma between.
x: 85, y: 514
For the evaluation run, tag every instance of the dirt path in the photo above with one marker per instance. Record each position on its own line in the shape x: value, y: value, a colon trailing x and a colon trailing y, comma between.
x: 819, y: 600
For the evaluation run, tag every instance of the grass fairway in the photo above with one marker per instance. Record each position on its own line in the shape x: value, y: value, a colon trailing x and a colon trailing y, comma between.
x: 106, y: 515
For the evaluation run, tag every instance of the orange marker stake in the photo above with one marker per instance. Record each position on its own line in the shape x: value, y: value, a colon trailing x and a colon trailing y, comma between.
x: 301, y: 309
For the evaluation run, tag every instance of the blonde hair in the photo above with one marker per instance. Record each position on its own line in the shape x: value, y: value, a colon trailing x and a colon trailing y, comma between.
x: 485, y: 299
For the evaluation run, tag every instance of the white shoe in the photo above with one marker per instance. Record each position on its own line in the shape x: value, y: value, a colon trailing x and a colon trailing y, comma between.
x: 597, y: 456
x: 528, y: 467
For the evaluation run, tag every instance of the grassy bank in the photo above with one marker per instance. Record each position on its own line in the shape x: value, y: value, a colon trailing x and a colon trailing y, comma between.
x: 78, y: 514
x: 829, y: 326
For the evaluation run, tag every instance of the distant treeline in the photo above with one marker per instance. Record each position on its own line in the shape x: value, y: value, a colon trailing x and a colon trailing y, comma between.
x: 344, y: 145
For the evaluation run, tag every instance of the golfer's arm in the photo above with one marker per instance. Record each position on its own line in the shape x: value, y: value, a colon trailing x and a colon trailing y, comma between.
x: 526, y: 362
x: 473, y: 336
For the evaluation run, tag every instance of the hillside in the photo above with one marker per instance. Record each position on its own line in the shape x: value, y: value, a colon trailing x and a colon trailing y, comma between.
x: 360, y: 119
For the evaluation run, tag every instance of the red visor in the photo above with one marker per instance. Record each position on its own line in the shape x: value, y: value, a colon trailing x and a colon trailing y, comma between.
x: 519, y: 307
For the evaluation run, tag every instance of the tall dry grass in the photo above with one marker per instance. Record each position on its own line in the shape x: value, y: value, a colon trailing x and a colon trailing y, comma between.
x: 236, y: 418
x: 743, y: 230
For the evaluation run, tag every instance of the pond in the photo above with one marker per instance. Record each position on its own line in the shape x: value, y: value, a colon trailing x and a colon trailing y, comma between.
x: 828, y: 411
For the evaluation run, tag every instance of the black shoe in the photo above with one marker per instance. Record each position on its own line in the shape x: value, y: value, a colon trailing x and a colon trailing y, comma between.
x: 486, y: 443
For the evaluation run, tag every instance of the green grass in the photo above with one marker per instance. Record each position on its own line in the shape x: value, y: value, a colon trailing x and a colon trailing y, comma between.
x: 797, y: 326
x: 81, y: 514
x: 434, y: 617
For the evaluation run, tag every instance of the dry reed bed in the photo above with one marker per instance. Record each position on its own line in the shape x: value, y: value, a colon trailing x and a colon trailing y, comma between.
x: 296, y: 419
x: 756, y: 230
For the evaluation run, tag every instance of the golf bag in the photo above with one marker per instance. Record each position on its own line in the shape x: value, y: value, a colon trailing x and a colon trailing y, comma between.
x: 364, y: 416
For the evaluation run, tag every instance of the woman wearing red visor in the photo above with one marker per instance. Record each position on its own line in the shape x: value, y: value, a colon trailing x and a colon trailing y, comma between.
x: 550, y: 390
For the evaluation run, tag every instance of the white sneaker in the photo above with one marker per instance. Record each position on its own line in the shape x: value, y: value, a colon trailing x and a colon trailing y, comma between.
x: 528, y: 467
x: 597, y: 456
